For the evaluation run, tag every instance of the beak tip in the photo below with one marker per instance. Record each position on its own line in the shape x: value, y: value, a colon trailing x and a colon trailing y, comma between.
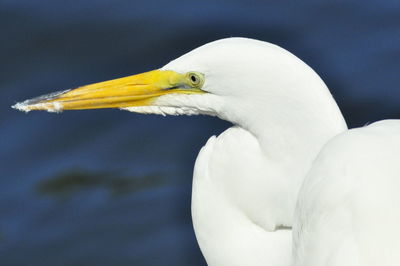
x: 26, y: 106
x: 41, y: 103
x: 21, y: 107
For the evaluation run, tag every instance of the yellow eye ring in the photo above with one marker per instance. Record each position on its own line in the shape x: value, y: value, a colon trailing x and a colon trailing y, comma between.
x: 195, y: 79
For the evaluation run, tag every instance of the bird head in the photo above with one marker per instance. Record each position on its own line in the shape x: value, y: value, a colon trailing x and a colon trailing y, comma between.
x: 229, y: 78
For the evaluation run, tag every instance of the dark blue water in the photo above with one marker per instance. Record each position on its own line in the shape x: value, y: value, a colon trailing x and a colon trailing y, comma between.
x: 108, y: 187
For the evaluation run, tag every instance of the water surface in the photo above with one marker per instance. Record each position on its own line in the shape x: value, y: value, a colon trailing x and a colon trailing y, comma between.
x: 108, y: 187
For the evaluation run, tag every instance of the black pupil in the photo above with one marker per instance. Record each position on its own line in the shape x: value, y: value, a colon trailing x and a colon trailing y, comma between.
x: 193, y: 78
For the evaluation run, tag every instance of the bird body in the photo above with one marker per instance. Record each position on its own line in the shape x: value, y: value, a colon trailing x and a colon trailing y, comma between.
x: 348, y: 211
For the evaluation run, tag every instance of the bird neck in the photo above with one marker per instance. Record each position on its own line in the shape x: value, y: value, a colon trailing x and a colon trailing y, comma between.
x: 246, y: 180
x: 290, y: 138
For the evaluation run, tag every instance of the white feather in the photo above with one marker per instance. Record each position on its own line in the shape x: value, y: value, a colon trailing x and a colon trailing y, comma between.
x: 246, y: 180
x: 348, y: 212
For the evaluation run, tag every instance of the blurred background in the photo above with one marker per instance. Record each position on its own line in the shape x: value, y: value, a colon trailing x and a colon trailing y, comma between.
x: 109, y: 187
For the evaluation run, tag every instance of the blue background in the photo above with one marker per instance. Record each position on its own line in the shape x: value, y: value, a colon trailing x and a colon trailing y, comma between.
x: 108, y: 187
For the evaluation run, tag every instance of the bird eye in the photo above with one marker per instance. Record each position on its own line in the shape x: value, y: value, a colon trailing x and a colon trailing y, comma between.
x: 195, y: 79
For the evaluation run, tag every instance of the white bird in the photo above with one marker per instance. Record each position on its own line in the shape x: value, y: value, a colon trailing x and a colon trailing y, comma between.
x: 246, y: 181
x: 348, y: 211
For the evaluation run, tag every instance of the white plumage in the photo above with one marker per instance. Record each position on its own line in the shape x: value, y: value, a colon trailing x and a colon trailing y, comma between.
x: 232, y: 208
x: 246, y: 181
x: 348, y: 212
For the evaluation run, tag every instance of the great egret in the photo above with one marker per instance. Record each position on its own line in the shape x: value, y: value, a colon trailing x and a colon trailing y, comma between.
x: 246, y: 180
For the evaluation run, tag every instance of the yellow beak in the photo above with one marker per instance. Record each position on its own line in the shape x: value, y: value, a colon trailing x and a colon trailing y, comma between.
x: 136, y: 90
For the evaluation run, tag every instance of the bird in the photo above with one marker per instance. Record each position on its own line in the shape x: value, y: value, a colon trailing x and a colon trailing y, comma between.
x: 246, y: 181
x: 348, y: 209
